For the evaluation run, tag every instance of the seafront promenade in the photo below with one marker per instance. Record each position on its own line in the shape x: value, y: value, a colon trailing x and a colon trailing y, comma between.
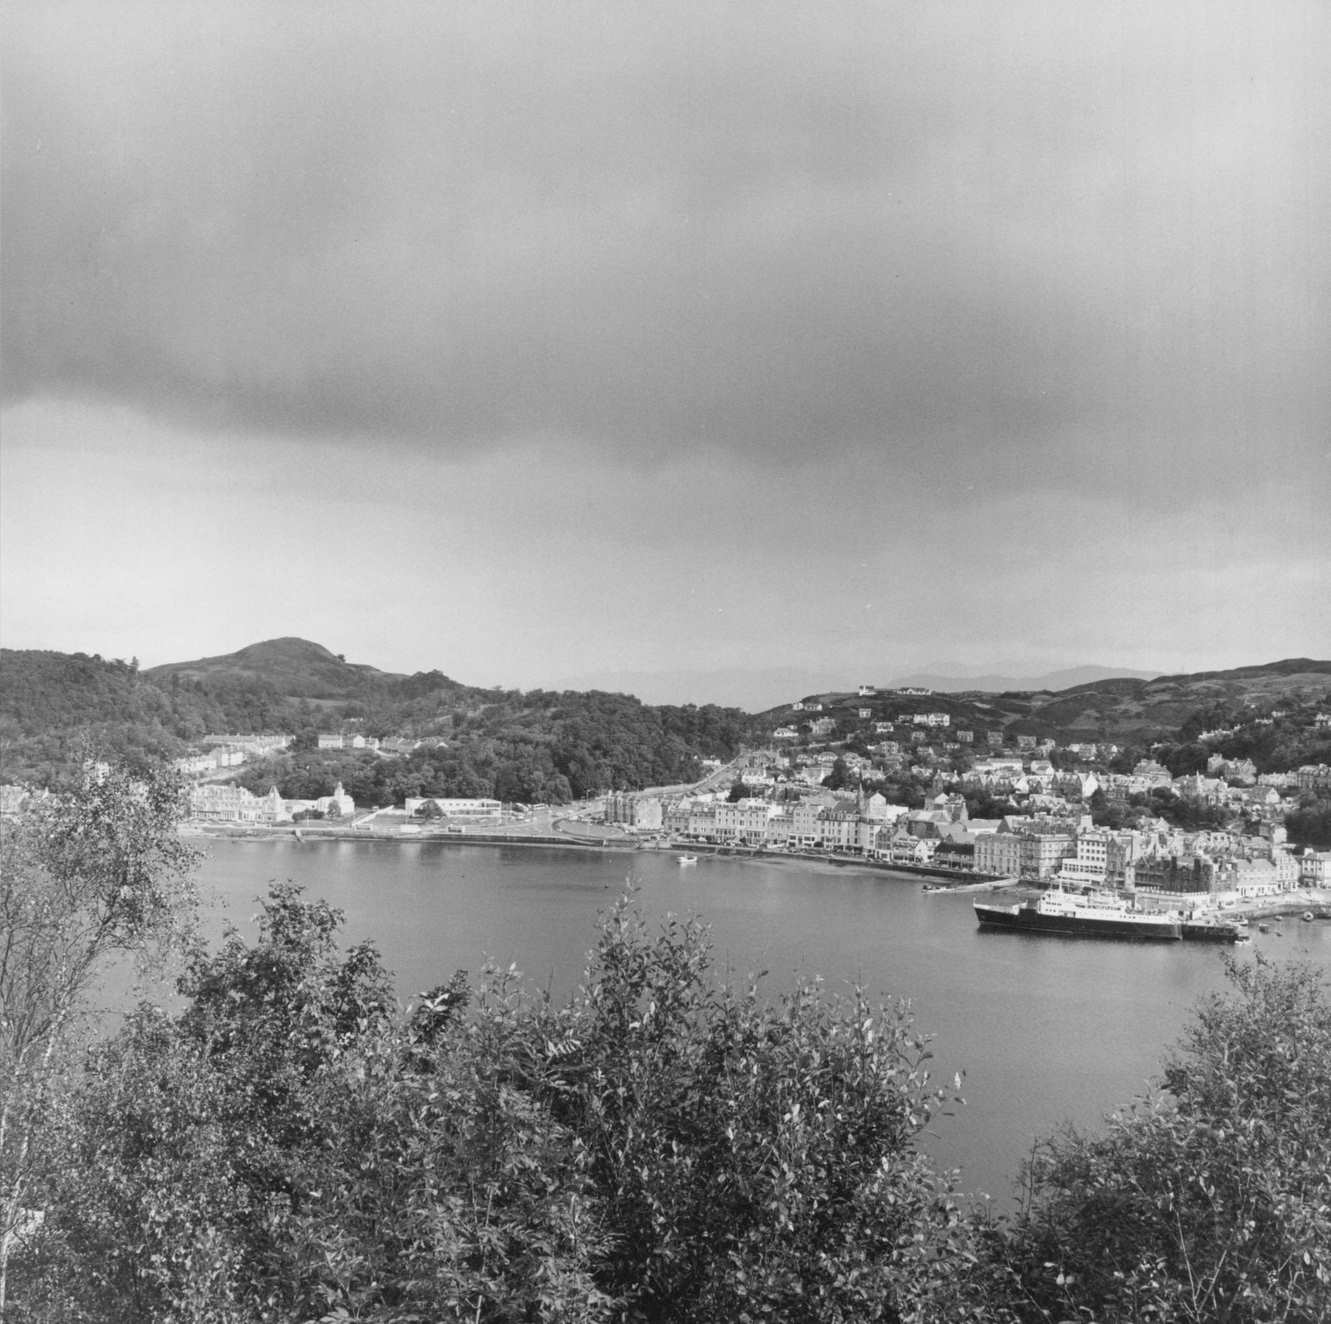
x: 574, y: 834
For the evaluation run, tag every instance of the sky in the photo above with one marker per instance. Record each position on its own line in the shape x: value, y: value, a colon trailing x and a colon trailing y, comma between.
x: 702, y: 344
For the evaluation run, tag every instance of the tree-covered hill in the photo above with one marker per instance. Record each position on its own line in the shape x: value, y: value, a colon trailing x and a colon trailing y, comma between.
x: 58, y: 709
x: 294, y: 667
x: 1122, y: 710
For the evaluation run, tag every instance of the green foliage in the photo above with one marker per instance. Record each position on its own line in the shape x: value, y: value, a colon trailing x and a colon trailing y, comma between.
x: 754, y: 1159
x: 83, y: 877
x: 288, y: 1148
x: 1190, y: 815
x: 1182, y: 760
x: 536, y: 747
x: 1310, y: 823
x: 984, y: 804
x: 1212, y: 1202
x: 839, y: 777
x: 291, y: 1146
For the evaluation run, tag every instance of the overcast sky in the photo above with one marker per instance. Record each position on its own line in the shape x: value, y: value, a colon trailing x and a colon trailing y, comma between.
x: 570, y: 340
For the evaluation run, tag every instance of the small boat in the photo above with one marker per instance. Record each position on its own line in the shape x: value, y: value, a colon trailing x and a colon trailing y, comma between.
x: 688, y: 859
x: 1263, y: 928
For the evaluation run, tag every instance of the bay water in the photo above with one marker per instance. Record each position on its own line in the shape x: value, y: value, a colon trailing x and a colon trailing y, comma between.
x: 1044, y: 1030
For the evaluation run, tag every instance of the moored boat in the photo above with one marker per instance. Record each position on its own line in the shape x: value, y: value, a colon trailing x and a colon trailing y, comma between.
x: 1097, y: 916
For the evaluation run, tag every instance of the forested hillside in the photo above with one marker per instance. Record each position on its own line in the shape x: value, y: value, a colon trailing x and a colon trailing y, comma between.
x: 1124, y: 711
x: 57, y: 709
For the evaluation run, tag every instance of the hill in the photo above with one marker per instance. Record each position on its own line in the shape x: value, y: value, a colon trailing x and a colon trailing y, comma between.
x: 1122, y: 710
x: 997, y: 684
x: 296, y: 668
x: 58, y: 709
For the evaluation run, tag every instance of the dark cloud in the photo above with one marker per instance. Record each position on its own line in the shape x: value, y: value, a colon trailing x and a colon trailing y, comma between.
x: 997, y: 243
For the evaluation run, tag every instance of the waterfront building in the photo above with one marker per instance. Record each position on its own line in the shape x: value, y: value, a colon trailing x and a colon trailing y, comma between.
x: 805, y: 830
x: 1088, y: 865
x: 904, y: 848
x: 702, y: 821
x: 637, y: 811
x: 1254, y: 877
x: 1315, y: 868
x: 742, y: 822
x: 956, y: 851
x: 1178, y: 875
x: 1043, y: 852
x: 675, y: 817
x: 838, y: 826
x: 234, y: 804
x: 337, y: 805
x: 1122, y: 851
x: 998, y: 853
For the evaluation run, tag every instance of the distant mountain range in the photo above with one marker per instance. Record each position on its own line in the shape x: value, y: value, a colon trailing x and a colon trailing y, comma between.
x: 757, y: 688
x: 993, y: 683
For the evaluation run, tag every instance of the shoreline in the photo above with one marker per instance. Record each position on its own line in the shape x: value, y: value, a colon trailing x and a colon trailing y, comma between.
x: 1292, y: 904
x: 618, y: 846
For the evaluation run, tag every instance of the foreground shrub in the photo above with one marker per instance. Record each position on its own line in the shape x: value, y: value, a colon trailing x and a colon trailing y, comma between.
x: 660, y: 1148
x: 1211, y: 1202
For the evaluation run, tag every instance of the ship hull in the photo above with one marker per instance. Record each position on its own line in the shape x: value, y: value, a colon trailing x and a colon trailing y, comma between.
x: 1026, y: 920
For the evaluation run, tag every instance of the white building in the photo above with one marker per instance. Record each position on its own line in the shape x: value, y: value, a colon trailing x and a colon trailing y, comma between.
x: 234, y: 804
x: 450, y: 806
x: 1088, y: 866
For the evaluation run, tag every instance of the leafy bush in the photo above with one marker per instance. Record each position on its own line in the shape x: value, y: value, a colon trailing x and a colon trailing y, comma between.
x: 288, y: 1147
x: 1211, y: 1201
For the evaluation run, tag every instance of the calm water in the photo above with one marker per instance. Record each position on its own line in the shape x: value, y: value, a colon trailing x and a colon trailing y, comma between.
x: 1046, y: 1030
